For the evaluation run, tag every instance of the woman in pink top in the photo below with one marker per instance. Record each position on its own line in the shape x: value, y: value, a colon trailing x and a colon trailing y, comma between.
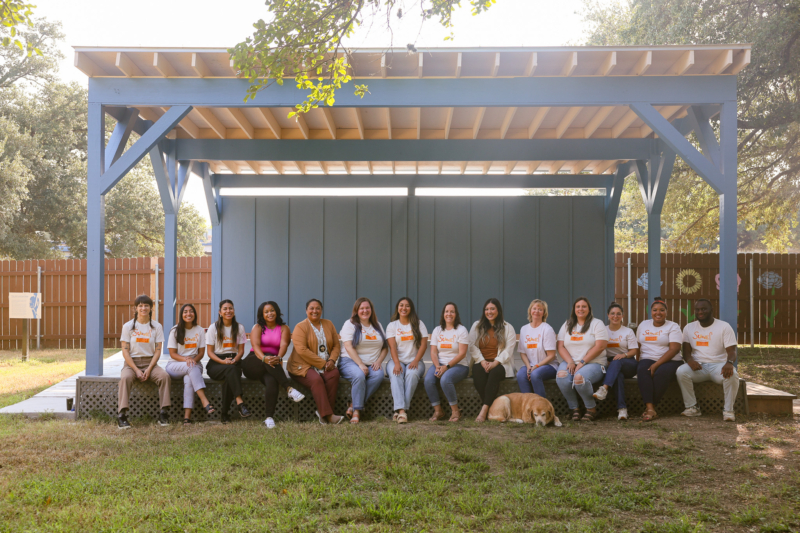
x: 269, y: 340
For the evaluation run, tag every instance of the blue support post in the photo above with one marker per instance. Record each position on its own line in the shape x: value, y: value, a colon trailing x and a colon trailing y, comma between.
x: 95, y: 245
x: 214, y: 204
x: 120, y: 135
x: 728, y: 242
x: 613, y: 196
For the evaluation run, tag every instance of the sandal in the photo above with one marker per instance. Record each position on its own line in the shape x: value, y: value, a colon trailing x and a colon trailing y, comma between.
x: 589, y: 416
x: 394, y: 417
x: 435, y: 418
x: 454, y: 418
x: 349, y: 412
x: 210, y: 409
x: 649, y: 415
x: 187, y: 422
x: 402, y: 418
x: 576, y: 415
x: 354, y: 420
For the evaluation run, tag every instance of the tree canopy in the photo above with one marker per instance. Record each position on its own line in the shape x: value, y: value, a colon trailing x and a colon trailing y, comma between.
x: 768, y: 118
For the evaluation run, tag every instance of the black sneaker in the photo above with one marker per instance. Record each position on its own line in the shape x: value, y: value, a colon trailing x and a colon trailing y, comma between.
x: 122, y: 422
x: 163, y: 418
x: 244, y: 412
x: 226, y: 418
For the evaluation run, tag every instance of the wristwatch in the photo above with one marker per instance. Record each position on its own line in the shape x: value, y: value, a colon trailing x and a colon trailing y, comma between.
x: 582, y: 362
x: 448, y: 366
x: 732, y: 362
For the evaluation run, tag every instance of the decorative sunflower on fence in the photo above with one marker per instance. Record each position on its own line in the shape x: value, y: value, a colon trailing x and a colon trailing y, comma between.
x: 688, y: 281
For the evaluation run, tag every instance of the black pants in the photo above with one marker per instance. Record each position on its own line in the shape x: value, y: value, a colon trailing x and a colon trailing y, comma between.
x: 231, y: 378
x: 487, y: 383
x: 273, y: 378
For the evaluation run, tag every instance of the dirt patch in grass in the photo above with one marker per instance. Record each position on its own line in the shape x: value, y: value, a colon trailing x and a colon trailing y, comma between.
x: 674, y: 474
x: 774, y: 366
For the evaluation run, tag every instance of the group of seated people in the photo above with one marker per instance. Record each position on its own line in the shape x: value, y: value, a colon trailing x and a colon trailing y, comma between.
x: 586, y: 358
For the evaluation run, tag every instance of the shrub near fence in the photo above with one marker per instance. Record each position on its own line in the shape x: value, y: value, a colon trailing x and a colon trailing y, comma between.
x: 63, y: 289
x: 685, y: 277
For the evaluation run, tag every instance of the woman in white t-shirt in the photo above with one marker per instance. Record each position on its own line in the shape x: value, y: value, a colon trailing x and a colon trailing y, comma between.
x: 659, y: 356
x: 365, y: 348
x: 449, y: 363
x: 408, y: 339
x: 537, y: 348
x: 225, y: 340
x: 187, y: 345
x: 582, y: 344
x: 621, y: 353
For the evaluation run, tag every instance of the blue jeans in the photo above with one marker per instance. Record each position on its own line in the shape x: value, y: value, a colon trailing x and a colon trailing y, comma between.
x: 404, y: 384
x: 536, y: 382
x: 591, y: 373
x: 447, y: 381
x: 616, y: 373
x: 361, y: 386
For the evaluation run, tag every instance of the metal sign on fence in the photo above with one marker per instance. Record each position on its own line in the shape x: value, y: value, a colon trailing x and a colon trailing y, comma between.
x: 27, y: 306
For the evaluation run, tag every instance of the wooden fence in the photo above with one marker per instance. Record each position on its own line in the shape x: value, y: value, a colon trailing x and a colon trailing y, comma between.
x: 685, y: 278
x: 63, y: 288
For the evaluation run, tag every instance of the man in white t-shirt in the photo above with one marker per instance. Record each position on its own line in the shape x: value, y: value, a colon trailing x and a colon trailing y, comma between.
x: 709, y: 349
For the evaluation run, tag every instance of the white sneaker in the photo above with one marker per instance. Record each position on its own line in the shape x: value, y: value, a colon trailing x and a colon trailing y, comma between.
x: 623, y: 414
x: 692, y: 411
x: 601, y: 393
x: 728, y: 416
x: 296, y: 395
x: 270, y: 423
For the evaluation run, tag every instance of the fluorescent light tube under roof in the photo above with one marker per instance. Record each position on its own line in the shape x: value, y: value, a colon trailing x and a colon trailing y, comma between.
x: 313, y: 191
x: 460, y: 191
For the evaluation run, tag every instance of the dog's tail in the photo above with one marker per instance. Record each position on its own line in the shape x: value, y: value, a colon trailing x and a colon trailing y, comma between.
x: 500, y: 409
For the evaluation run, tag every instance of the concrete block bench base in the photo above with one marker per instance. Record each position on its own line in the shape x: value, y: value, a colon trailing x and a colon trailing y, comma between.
x: 96, y: 395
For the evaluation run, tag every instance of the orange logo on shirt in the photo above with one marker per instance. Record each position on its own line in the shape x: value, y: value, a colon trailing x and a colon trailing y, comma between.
x: 139, y: 339
x: 190, y: 345
x: 446, y: 346
x: 407, y: 338
x: 702, y: 343
x: 371, y: 337
x: 698, y: 336
x: 613, y: 345
x: 532, y: 345
x: 576, y: 339
x: 651, y: 339
x: 532, y: 342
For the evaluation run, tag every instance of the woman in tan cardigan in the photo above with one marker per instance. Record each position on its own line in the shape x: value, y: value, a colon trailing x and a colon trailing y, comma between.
x: 313, y: 361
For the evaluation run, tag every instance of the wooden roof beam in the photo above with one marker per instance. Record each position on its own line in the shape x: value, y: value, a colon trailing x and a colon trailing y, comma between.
x: 87, y: 66
x: 458, y: 65
x: 389, y: 122
x: 272, y: 122
x: 683, y: 63
x: 623, y: 123
x: 603, y: 167
x: 448, y: 122
x: 383, y: 66
x: 478, y: 121
x: 124, y: 63
x: 580, y: 166
x: 329, y: 122
x: 212, y: 121
x: 721, y: 63
x: 741, y: 60
x: 243, y: 123
x: 419, y: 122
x: 163, y: 66
x: 496, y: 66
x: 278, y: 166
x: 596, y: 120
x: 643, y: 63
x: 533, y: 62
x: 569, y: 66
x: 359, y: 122
x: 255, y: 166
x: 487, y: 165
x: 510, y: 166
x: 507, y: 121
x: 537, y: 121
x: 567, y: 121
x: 555, y: 166
x: 301, y: 124
x: 199, y: 66
x: 192, y: 129
x: 419, y: 67
x: 233, y: 166
x: 608, y: 64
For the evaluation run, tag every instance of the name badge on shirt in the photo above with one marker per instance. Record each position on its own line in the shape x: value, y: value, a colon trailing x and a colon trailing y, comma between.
x: 532, y: 346
x: 190, y: 345
x: 576, y: 339
x: 228, y: 345
x: 407, y: 338
x: 371, y: 337
x: 445, y: 346
x: 613, y: 345
x: 651, y: 339
x: 139, y: 339
x: 702, y: 343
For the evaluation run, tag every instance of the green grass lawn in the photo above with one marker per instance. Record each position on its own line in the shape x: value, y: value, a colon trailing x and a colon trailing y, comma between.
x: 673, y: 475
x: 44, y: 368
x: 774, y: 366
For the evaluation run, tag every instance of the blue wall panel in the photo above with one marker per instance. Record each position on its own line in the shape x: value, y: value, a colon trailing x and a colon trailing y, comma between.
x: 431, y: 249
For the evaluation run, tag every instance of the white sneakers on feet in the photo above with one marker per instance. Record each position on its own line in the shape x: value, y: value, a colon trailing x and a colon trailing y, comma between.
x: 728, y: 416
x: 601, y: 393
x: 623, y: 414
x: 270, y: 423
x: 692, y: 411
x: 296, y: 395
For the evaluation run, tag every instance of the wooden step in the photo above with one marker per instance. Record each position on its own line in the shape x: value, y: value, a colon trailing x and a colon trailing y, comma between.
x: 766, y: 400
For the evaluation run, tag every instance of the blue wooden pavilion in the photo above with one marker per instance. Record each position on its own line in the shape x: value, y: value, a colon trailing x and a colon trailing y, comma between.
x: 577, y: 117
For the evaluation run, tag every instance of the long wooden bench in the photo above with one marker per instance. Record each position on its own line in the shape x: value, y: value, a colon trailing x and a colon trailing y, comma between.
x: 99, y: 395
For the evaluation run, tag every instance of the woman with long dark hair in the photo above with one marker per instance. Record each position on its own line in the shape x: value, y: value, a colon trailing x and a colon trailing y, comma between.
x: 365, y: 349
x: 659, y: 356
x: 492, y: 342
x: 408, y: 339
x: 581, y: 348
x: 187, y: 345
x: 315, y: 349
x: 449, y: 362
x: 225, y: 340
x: 269, y: 340
x: 141, y: 340
x: 621, y: 353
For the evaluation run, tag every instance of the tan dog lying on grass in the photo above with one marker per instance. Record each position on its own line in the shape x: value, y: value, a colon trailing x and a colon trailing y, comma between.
x: 524, y: 408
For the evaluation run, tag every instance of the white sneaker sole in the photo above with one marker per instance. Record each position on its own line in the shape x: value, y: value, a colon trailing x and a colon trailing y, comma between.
x: 691, y: 415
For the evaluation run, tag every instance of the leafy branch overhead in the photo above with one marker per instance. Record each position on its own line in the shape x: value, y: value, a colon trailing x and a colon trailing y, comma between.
x: 12, y: 15
x: 305, y: 40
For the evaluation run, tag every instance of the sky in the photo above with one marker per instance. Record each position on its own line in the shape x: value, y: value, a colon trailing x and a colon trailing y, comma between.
x: 210, y: 23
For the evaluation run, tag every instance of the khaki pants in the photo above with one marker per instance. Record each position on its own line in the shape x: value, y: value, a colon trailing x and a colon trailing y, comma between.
x: 127, y: 377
